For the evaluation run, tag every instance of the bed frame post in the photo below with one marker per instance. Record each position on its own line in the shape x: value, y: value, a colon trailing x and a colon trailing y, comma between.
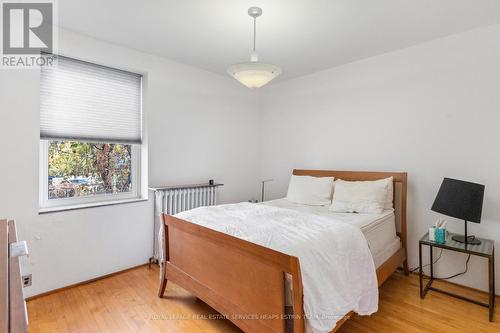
x: 404, y: 229
x: 298, y: 298
x: 163, y: 263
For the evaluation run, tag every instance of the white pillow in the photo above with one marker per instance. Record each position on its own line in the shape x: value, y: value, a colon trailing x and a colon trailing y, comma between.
x: 307, y: 190
x: 361, y: 196
x: 390, y: 190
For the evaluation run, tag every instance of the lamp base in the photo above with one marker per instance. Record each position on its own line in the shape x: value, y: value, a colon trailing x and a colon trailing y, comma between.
x: 472, y: 240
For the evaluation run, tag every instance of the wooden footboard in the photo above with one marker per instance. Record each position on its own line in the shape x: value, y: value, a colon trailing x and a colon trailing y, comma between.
x: 243, y: 281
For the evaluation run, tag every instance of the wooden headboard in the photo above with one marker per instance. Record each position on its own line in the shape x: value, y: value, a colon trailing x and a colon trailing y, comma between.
x: 398, y: 178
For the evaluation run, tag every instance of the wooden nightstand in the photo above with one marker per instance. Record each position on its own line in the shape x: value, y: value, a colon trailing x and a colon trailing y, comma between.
x: 486, y: 249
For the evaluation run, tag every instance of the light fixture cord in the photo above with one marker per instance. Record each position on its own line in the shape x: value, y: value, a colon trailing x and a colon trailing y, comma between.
x: 254, y: 32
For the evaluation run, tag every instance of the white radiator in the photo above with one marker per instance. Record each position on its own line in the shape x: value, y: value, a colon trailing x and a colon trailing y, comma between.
x: 175, y: 199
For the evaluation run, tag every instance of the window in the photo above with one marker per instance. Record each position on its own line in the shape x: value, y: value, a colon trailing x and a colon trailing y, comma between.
x: 79, y: 169
x: 90, y: 134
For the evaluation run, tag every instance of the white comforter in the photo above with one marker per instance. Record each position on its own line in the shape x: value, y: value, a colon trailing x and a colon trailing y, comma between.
x: 338, y: 274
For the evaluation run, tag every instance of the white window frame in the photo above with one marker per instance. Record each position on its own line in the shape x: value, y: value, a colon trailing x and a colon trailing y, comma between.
x: 49, y: 205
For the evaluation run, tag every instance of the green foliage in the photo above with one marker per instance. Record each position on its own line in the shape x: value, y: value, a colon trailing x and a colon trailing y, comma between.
x: 105, y: 167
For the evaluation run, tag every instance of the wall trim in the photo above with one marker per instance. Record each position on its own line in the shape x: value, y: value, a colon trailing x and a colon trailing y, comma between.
x: 74, y: 285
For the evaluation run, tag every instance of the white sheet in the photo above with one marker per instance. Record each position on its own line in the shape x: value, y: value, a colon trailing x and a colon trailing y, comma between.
x: 338, y: 273
x: 378, y: 229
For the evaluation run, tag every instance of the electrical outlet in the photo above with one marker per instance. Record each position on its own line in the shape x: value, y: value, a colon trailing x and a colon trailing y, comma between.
x: 27, y: 279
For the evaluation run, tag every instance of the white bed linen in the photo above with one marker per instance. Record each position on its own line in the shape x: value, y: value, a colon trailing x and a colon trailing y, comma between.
x: 378, y: 229
x: 338, y: 273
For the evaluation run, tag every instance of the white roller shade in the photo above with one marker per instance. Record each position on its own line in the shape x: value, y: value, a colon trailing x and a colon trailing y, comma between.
x: 88, y: 102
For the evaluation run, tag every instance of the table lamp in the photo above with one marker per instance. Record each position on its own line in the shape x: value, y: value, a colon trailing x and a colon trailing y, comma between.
x: 462, y: 200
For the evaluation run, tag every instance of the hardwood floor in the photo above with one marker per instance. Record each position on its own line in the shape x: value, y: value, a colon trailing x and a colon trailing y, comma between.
x: 128, y: 303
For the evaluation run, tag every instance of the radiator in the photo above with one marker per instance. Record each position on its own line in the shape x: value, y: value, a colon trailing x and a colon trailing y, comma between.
x: 175, y: 199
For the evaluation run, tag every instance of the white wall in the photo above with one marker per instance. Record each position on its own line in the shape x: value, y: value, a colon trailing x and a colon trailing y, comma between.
x: 432, y: 110
x: 199, y: 126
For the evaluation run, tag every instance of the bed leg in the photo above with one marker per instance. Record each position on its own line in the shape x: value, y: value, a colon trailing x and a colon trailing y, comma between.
x: 163, y: 285
x: 406, y: 270
x: 163, y: 281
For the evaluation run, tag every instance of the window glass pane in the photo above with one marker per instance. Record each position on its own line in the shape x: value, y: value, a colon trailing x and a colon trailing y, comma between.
x: 83, y: 168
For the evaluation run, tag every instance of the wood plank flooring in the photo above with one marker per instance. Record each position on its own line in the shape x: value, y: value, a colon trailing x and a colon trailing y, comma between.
x: 127, y: 302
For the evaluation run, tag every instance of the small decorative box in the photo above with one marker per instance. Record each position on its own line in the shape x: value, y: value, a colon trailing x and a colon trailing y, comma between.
x: 440, y: 235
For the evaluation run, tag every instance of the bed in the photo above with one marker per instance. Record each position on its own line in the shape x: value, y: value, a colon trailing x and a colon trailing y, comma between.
x: 259, y: 288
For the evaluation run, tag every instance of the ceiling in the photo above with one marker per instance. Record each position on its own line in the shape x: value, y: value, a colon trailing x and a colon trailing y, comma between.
x: 302, y: 36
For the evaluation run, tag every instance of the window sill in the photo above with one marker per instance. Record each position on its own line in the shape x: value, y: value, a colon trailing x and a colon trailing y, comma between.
x: 56, y: 209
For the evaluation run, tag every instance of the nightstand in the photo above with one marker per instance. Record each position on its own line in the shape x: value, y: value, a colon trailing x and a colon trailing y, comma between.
x: 486, y: 250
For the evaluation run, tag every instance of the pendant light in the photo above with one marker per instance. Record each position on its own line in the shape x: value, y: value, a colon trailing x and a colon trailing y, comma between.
x: 253, y: 73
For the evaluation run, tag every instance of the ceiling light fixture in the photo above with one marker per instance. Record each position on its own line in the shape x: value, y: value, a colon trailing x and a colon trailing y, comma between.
x: 253, y: 73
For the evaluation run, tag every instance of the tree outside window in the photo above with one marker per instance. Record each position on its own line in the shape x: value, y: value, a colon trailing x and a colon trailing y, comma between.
x: 77, y: 169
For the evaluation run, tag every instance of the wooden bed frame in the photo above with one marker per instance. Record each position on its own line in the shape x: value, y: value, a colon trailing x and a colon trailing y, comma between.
x: 245, y: 282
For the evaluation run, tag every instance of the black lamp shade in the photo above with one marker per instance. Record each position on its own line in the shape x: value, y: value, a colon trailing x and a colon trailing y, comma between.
x: 459, y: 199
